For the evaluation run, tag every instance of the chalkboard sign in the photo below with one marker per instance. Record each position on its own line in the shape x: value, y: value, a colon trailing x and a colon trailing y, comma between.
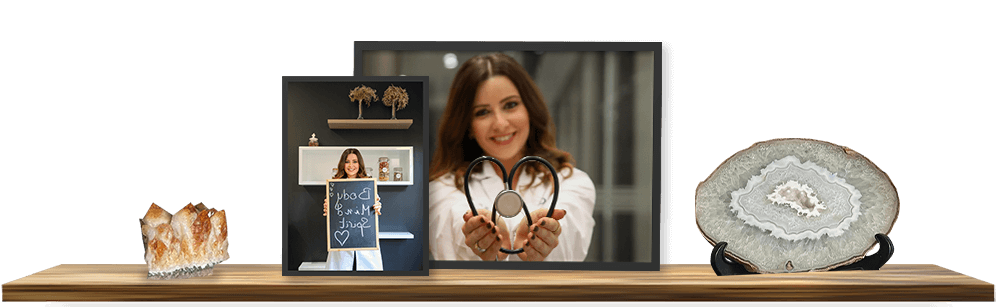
x: 351, y: 223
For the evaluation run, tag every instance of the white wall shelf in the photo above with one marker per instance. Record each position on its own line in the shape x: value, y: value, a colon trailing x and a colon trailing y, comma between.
x: 316, y: 163
x: 395, y: 235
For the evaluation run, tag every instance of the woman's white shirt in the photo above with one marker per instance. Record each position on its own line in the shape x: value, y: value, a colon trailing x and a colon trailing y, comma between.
x: 448, y: 205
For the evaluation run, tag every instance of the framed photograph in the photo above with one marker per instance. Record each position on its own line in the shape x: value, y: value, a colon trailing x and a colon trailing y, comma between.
x: 349, y: 144
x: 592, y: 110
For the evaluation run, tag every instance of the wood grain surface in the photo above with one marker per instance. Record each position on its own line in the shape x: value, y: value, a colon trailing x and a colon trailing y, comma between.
x: 263, y: 282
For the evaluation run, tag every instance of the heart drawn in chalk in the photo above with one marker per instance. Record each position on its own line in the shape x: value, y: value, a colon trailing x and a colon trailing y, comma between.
x: 342, y: 233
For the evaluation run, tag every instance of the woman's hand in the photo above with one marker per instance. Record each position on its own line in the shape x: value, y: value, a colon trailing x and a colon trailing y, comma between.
x: 539, y: 239
x: 484, y: 237
x: 325, y: 207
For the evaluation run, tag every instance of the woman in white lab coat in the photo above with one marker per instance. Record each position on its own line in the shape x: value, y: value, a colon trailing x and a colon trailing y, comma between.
x: 351, y: 165
x: 495, y: 109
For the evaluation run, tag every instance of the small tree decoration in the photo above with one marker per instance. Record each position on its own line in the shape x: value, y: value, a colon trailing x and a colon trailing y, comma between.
x: 396, y: 98
x: 363, y: 94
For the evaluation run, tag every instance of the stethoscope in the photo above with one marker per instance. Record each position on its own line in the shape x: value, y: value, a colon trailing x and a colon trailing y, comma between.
x: 509, y: 203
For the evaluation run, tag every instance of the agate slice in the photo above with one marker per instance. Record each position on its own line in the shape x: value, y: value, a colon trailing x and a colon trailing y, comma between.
x: 796, y: 205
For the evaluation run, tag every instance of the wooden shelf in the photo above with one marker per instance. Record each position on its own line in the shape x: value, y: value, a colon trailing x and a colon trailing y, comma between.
x: 263, y: 282
x: 395, y: 124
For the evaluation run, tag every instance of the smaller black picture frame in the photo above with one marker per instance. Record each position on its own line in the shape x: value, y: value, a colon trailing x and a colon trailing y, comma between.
x: 307, y: 103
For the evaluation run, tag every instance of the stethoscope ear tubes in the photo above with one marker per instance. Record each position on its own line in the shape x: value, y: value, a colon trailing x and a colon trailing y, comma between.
x: 509, y: 203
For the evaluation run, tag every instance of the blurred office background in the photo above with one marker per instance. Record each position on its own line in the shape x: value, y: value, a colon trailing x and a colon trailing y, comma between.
x: 602, y: 105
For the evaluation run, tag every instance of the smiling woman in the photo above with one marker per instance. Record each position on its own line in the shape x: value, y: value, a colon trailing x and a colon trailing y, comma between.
x: 351, y: 165
x: 501, y: 122
x: 495, y: 109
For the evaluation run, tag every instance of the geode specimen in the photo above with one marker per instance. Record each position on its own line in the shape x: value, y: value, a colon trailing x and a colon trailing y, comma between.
x: 793, y: 205
x: 186, y: 244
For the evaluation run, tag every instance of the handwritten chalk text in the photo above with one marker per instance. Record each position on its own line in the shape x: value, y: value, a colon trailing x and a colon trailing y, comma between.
x: 344, y: 224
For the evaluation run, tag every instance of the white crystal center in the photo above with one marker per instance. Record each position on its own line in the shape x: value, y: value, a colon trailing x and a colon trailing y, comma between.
x: 783, y: 199
x: 798, y: 196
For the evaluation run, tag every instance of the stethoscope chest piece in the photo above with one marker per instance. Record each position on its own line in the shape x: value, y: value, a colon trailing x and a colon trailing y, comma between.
x: 509, y: 203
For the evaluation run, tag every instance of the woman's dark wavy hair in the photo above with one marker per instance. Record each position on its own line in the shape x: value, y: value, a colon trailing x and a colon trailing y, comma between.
x: 455, y: 148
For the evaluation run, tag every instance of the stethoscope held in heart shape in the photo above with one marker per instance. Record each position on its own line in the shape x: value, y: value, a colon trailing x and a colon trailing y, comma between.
x: 509, y: 203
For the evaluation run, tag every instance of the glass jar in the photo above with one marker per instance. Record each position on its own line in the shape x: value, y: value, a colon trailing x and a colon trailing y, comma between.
x: 335, y: 170
x: 397, y: 174
x: 383, y: 165
x: 369, y: 171
x: 313, y: 141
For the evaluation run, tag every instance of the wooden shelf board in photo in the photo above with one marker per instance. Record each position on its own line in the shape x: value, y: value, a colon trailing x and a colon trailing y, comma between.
x: 396, y: 124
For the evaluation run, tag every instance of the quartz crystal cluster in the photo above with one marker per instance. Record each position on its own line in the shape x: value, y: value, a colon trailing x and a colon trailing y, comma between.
x: 186, y: 244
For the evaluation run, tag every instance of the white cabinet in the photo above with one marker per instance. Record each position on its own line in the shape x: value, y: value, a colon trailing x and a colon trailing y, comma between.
x: 316, y: 163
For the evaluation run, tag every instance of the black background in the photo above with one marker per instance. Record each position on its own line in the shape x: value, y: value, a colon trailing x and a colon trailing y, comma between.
x: 85, y: 172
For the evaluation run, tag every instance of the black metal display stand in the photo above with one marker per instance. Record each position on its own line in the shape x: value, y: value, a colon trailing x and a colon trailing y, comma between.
x: 724, y: 266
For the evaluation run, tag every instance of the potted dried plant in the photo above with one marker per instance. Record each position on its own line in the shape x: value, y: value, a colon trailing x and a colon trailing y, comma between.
x: 396, y: 98
x: 363, y: 94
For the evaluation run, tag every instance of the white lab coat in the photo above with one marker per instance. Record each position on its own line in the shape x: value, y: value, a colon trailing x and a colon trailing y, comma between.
x: 367, y: 260
x: 448, y: 205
